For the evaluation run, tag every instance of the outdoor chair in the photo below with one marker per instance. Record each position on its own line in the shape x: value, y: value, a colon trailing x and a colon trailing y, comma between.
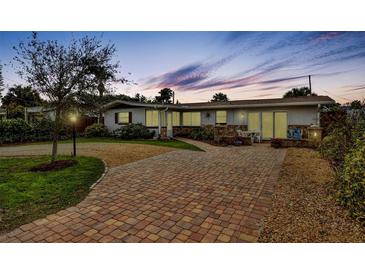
x: 245, y: 134
x: 295, y: 133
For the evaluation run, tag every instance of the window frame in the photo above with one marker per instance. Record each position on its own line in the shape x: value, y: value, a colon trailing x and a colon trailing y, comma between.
x: 178, y: 119
x: 127, y: 117
x: 190, y: 114
x: 153, y: 111
x: 117, y: 116
x: 216, y: 115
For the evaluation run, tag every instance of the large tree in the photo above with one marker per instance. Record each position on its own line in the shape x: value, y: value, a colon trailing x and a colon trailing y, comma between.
x: 2, y: 85
x: 165, y: 96
x: 299, y: 92
x: 59, y: 72
x: 220, y: 97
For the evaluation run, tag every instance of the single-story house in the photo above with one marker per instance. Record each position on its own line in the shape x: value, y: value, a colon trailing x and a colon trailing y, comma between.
x: 32, y: 114
x: 271, y: 117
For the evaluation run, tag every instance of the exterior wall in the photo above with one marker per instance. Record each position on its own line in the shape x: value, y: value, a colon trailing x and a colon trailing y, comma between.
x: 138, y: 116
x: 207, y: 117
x: 298, y: 116
x: 234, y: 117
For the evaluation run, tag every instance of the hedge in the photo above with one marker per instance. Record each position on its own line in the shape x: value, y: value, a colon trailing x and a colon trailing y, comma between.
x: 18, y: 131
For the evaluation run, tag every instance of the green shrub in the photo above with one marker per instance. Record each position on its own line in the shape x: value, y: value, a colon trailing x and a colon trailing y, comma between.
x: 352, y: 180
x: 96, y: 130
x: 43, y: 130
x: 333, y: 147
x: 15, y: 131
x: 133, y: 131
x: 202, y: 134
x: 196, y: 134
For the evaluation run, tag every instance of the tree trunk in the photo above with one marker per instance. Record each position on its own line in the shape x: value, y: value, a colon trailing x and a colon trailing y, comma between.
x: 101, y: 94
x: 56, y: 131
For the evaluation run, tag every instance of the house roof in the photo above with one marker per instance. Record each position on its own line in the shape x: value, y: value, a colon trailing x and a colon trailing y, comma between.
x: 292, y: 101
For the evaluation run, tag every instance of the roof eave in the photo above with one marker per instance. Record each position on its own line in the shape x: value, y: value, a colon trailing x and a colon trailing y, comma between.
x: 223, y: 106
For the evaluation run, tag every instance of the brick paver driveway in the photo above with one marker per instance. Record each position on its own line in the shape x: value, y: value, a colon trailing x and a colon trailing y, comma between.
x: 220, y: 195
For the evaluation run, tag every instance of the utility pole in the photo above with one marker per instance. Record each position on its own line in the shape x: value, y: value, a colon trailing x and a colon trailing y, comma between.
x: 310, y: 83
x: 173, y: 97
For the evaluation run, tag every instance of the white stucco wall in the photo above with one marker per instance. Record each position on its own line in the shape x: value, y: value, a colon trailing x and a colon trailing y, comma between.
x: 298, y: 115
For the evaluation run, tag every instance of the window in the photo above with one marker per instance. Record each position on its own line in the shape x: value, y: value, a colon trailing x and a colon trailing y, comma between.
x: 191, y: 119
x: 221, y: 117
x: 175, y: 118
x: 152, y: 118
x: 195, y: 119
x: 123, y: 117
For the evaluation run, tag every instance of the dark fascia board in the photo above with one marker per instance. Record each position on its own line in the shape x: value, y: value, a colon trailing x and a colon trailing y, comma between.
x: 182, y: 107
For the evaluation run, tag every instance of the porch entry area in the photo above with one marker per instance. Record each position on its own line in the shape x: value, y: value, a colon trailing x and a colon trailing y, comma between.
x: 270, y: 124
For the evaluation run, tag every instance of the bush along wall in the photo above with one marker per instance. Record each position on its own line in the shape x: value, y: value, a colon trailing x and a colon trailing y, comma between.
x: 133, y: 131
x: 352, y: 181
x: 96, y: 130
x: 15, y: 131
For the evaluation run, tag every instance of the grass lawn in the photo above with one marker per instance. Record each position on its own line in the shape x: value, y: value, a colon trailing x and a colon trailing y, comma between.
x: 26, y: 196
x: 165, y: 143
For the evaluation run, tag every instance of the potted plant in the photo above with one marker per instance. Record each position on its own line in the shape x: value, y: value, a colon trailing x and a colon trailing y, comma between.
x: 276, y: 143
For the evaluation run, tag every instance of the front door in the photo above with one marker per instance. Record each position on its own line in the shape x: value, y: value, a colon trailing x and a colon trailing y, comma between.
x: 169, y: 124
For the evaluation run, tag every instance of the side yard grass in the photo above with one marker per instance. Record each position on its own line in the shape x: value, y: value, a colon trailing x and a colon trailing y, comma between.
x: 164, y: 143
x: 304, y: 207
x: 26, y: 196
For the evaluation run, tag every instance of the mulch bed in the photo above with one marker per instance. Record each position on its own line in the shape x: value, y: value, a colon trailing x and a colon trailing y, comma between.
x: 56, y: 165
x: 304, y: 206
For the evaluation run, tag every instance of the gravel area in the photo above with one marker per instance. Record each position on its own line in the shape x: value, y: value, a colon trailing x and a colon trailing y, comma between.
x: 114, y: 154
x: 304, y: 208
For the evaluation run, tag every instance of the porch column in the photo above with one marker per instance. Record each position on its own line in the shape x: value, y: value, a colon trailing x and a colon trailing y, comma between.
x: 159, y: 122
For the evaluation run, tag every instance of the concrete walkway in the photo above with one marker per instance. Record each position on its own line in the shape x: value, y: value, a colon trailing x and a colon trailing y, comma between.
x: 220, y: 195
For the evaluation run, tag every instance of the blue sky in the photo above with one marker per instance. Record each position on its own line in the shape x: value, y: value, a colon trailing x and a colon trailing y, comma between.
x: 245, y: 65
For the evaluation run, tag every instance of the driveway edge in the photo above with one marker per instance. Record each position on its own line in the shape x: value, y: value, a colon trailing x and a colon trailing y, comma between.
x: 106, y: 169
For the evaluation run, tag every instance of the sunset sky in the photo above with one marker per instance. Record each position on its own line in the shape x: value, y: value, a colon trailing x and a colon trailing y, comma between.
x: 245, y: 65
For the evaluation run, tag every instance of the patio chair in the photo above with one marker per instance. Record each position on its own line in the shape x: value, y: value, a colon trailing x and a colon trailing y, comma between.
x: 245, y: 134
x: 295, y: 133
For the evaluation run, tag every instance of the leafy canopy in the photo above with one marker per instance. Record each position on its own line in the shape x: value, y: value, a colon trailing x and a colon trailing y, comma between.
x: 220, y: 97
x: 22, y: 96
x: 165, y: 96
x: 299, y: 92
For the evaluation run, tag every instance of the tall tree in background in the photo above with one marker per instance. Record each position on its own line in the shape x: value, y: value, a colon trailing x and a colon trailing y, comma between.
x: 23, y: 96
x: 140, y: 98
x: 356, y: 104
x: 105, y: 73
x: 299, y: 92
x: 165, y: 96
x: 2, y: 85
x: 19, y: 97
x: 59, y: 72
x: 220, y: 97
